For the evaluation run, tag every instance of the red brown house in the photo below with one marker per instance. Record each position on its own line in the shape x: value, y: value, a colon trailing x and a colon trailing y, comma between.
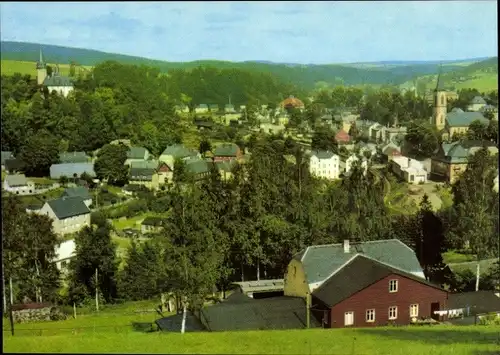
x: 342, y: 137
x: 227, y: 152
x: 366, y: 292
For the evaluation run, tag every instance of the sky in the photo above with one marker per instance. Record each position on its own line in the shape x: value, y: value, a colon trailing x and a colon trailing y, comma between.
x: 306, y: 32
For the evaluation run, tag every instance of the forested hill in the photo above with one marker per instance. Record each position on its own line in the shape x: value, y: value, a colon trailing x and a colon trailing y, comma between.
x: 305, y: 76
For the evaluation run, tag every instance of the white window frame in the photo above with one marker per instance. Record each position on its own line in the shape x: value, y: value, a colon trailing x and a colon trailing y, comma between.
x: 412, y: 308
x: 370, y: 315
x: 391, y: 283
x: 348, y: 316
x: 393, y: 309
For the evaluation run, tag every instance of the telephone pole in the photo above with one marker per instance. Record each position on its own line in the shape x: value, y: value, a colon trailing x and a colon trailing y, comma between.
x: 96, y: 292
x: 308, y: 310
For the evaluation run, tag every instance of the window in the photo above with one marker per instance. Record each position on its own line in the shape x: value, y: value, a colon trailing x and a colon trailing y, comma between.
x: 393, y: 286
x: 294, y: 271
x: 348, y: 318
x: 442, y: 99
x: 370, y: 315
x: 393, y: 313
x: 414, y: 310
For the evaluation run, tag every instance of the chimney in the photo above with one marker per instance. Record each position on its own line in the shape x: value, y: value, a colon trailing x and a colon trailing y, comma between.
x: 346, y: 246
x: 409, y: 162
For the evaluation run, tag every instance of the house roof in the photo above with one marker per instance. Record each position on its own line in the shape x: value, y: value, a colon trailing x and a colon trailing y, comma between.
x: 73, y: 157
x: 459, y: 152
x: 153, y: 221
x: 144, y: 164
x: 213, y: 106
x: 390, y: 150
x: 320, y: 261
x: 202, y: 106
x: 292, y: 101
x: 178, y: 151
x: 136, y: 153
x: 197, y: 166
x: 239, y: 312
x: 78, y: 191
x: 66, y: 207
x: 342, y: 136
x: 14, y: 164
x: 174, y: 323
x: 142, y: 173
x: 478, y: 100
x: 457, y: 109
x: 464, y: 119
x: 478, y: 301
x: 57, y: 80
x: 5, y: 156
x: 70, y: 169
x: 16, y: 180
x: 226, y: 150
x: 359, y: 273
x: 322, y: 154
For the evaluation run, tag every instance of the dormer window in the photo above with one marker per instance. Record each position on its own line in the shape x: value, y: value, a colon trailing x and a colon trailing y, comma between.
x: 393, y: 286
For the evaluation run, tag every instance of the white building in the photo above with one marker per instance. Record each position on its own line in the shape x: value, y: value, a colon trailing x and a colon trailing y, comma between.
x: 64, y: 253
x: 476, y: 104
x: 349, y: 163
x: 495, y: 184
x: 18, y: 184
x: 410, y: 170
x: 325, y: 164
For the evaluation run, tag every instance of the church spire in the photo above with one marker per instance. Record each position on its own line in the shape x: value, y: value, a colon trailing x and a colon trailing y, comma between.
x: 439, y: 85
x: 40, y: 64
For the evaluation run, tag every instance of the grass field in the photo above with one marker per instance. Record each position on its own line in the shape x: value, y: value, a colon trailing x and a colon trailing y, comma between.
x: 9, y: 67
x: 439, y: 340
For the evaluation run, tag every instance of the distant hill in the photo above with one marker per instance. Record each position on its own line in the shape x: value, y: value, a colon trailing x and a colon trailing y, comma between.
x: 305, y: 76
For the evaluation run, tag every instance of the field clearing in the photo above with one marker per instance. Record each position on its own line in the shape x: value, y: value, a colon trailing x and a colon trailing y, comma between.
x: 438, y: 340
x: 9, y: 67
x: 484, y: 83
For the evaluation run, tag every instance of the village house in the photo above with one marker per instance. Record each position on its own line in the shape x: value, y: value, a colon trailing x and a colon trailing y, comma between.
x: 410, y: 170
x: 165, y: 173
x: 376, y: 132
x: 367, y: 148
x: 5, y: 157
x: 451, y: 158
x: 201, y: 108
x: 351, y: 160
x: 393, y: 134
x: 495, y: 184
x: 55, y: 82
x: 490, y: 109
x: 73, y: 157
x: 152, y: 225
x: 363, y: 284
x: 177, y: 151
x: 476, y: 104
x: 18, y: 184
x: 292, y: 103
x: 213, y: 108
x: 198, y: 168
x: 64, y: 253
x: 69, y: 214
x: 227, y: 152
x: 228, y: 108
x: 71, y: 170
x: 324, y: 164
x: 181, y: 109
x: 390, y: 151
x: 136, y: 154
x: 225, y: 168
x: 145, y: 176
x: 79, y: 191
x: 342, y: 137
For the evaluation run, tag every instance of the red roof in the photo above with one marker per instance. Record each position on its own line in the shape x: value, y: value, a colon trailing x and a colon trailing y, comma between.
x: 342, y: 136
x: 293, y: 102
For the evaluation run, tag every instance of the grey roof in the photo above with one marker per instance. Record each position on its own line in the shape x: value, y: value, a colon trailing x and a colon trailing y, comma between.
x: 154, y: 221
x: 174, y: 323
x: 459, y: 152
x: 178, y: 151
x: 136, y: 153
x: 357, y: 275
x: 69, y: 169
x: 226, y: 150
x: 197, y: 166
x: 144, y: 164
x: 14, y: 164
x: 142, y: 174
x: 66, y: 207
x: 5, y: 156
x: 78, y: 191
x: 478, y: 100
x: 16, y: 180
x: 464, y: 119
x: 457, y: 109
x: 73, y: 157
x: 478, y: 301
x: 322, y: 154
x: 56, y: 80
x: 320, y: 261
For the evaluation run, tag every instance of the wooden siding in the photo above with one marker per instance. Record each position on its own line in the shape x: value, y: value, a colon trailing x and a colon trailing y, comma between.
x: 378, y: 297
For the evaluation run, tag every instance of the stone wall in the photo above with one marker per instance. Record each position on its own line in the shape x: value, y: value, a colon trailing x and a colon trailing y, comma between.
x: 37, y: 315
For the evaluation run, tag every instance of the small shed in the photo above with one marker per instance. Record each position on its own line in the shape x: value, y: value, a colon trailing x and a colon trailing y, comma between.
x: 257, y: 289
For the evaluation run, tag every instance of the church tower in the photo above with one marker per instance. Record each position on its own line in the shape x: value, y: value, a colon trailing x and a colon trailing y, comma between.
x: 440, y: 104
x: 41, y: 69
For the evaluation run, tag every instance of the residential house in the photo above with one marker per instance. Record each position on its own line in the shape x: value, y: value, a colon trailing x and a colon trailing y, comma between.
x: 467, y: 305
x: 227, y: 152
x: 324, y: 164
x: 225, y: 168
x: 165, y: 173
x: 73, y: 157
x: 79, y: 191
x: 181, y: 109
x: 261, y: 288
x: 64, y: 253
x: 495, y: 184
x: 363, y: 127
x: 410, y: 170
x: 14, y: 165
x: 376, y: 132
x: 71, y: 170
x: 5, y: 156
x: 393, y: 134
x: 147, y: 177
x: 202, y: 124
x: 69, y: 214
x: 353, y: 158
x: 451, y: 158
x: 366, y: 292
x: 152, y: 224
x: 135, y: 154
x: 492, y: 109
x: 347, y: 119
x: 390, y: 151
x: 243, y: 108
x: 213, y: 108
x: 476, y: 104
x: 342, y: 137
x: 370, y: 148
x: 292, y: 103
x: 202, y: 108
x: 458, y: 122
x: 18, y: 184
x: 228, y: 108
x: 198, y: 168
x: 177, y: 151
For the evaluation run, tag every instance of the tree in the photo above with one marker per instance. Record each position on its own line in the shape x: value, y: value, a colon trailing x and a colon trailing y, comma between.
x: 205, y: 146
x: 421, y: 140
x: 324, y: 140
x: 49, y: 70
x: 477, y: 131
x: 39, y: 153
x: 110, y: 164
x: 354, y: 132
x: 72, y: 70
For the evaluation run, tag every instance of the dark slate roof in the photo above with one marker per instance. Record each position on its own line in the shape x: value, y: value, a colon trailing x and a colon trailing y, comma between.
x: 213, y: 106
x: 464, y: 119
x: 202, y: 106
x: 73, y: 157
x: 144, y: 164
x: 226, y: 150
x: 178, y: 151
x: 457, y: 109
x: 14, y: 164
x: 197, y: 166
x: 5, y: 156
x: 174, y: 323
x: 69, y: 169
x: 322, y: 154
x: 142, y: 174
x: 459, y: 152
x: 16, y: 180
x: 479, y: 302
x: 136, y: 153
x: 153, y: 221
x: 320, y: 261
x: 478, y: 100
x: 355, y: 276
x: 257, y: 314
x: 66, y: 207
x: 440, y: 83
x: 78, y: 191
x: 56, y: 80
